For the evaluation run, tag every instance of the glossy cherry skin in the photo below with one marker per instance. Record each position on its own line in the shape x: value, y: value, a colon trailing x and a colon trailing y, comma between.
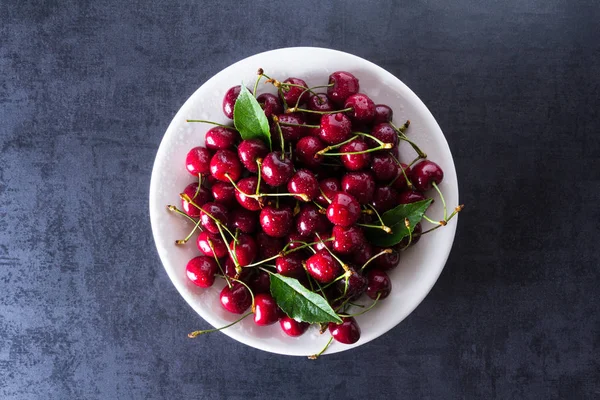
x: 268, y: 246
x: 218, y: 211
x: 363, y: 108
x: 247, y: 186
x: 416, y: 236
x: 197, y: 161
x: 353, y: 287
x: 400, y: 183
x: 260, y: 282
x: 410, y: 196
x: 304, y: 182
x: 386, y: 133
x: 220, y: 138
x: 201, y: 271
x: 199, y: 197
x: 335, y: 128
x: 291, y: 265
x: 291, y: 94
x: 424, y: 174
x: 384, y: 167
x: 291, y: 133
x: 384, y: 198
x: 379, y: 284
x: 306, y: 150
x: 229, y: 100
x: 355, y: 162
x: 344, y: 210
x: 386, y: 261
x: 347, y: 240
x: 310, y: 221
x: 270, y: 104
x: 295, y: 240
x: 275, y: 171
x: 245, y: 249
x: 211, y: 245
x: 266, y: 311
x: 363, y: 254
x: 249, y: 151
x: 276, y: 222
x: 293, y: 328
x: 320, y: 103
x: 329, y: 187
x: 347, y: 332
x: 243, y: 219
x: 224, y: 193
x: 383, y: 113
x: 223, y: 163
x: 344, y: 85
x: 360, y: 185
x: 236, y: 299
x: 323, y: 267
x: 320, y: 242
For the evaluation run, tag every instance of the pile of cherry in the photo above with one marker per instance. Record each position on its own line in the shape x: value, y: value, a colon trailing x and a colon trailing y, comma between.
x: 301, y: 204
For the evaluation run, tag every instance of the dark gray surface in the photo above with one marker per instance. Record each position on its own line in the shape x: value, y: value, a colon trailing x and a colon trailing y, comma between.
x: 87, y: 89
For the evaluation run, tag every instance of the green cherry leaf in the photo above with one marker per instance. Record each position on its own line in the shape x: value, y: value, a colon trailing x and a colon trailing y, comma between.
x: 394, y: 219
x: 300, y: 303
x: 249, y: 118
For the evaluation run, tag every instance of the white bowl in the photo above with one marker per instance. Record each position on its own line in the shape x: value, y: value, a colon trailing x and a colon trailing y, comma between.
x: 420, y: 265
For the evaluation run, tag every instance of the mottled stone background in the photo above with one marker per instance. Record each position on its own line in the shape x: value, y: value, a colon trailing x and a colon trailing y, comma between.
x: 87, y: 89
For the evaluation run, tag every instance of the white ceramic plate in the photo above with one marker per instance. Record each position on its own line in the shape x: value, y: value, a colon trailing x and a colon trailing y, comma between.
x: 420, y: 265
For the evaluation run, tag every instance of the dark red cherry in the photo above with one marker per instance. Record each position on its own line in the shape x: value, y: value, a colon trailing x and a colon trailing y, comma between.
x: 224, y: 193
x: 220, y: 138
x: 386, y: 133
x: 304, y: 182
x: 236, y: 299
x: 347, y: 332
x: 401, y: 183
x: 266, y: 311
x: 320, y: 241
x: 201, y: 271
x: 197, y: 161
x: 198, y: 196
x: 379, y: 284
x: 344, y: 210
x: 323, y: 267
x: 291, y: 265
x: 416, y: 235
x: 295, y: 240
x: 291, y: 327
x: 275, y: 171
x: 270, y: 104
x: 245, y: 250
x: 260, y: 282
x: 384, y: 167
x: 363, y: 108
x: 211, y: 245
x: 386, y: 261
x: 291, y: 94
x: 310, y: 221
x: 335, y: 128
x: 268, y: 246
x: 230, y: 271
x: 247, y: 187
x: 410, y: 196
x: 383, y: 113
x: 355, y: 162
x: 424, y: 174
x: 320, y: 102
x: 344, y: 85
x: 352, y: 287
x: 328, y: 187
x: 244, y: 220
x: 385, y: 198
x: 306, y: 149
x: 217, y: 211
x: 363, y: 254
x: 291, y: 133
x: 361, y: 185
x: 276, y: 222
x: 229, y: 100
x: 223, y: 163
x: 249, y: 151
x: 347, y: 240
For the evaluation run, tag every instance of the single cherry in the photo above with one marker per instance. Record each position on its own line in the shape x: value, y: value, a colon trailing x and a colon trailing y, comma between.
x: 291, y: 94
x: 291, y: 133
x: 335, y: 128
x: 355, y: 162
x: 223, y: 163
x: 424, y: 174
x: 249, y: 151
x: 328, y: 187
x: 386, y: 133
x: 268, y: 246
x: 310, y: 221
x: 304, y: 182
x: 360, y: 184
x: 217, y: 211
x: 347, y: 332
x: 266, y: 311
x: 323, y: 267
x: 344, y: 209
x: 201, y: 271
x: 243, y: 219
x: 386, y: 261
x: 293, y: 328
x: 320, y: 102
x: 229, y: 100
x: 384, y: 167
x: 276, y: 222
x: 347, y: 240
x: 270, y: 104
x: 198, y: 196
x: 260, y: 282
x: 363, y: 108
x: 245, y: 250
x: 385, y: 198
x: 247, y: 187
x: 306, y: 150
x: 236, y: 299
x: 291, y: 265
x: 344, y: 85
x: 379, y: 284
x: 363, y: 254
x: 220, y: 138
x: 275, y: 170
x: 224, y: 193
x: 197, y: 161
x: 410, y: 196
x: 383, y: 113
x: 211, y: 245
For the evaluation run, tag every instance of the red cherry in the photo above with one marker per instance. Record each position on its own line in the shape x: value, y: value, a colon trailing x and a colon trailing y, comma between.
x: 386, y: 261
x: 386, y: 133
x: 229, y: 100
x: 335, y: 128
x: 291, y: 133
x: 363, y: 108
x: 304, y: 182
x: 197, y: 161
x: 323, y: 267
x: 249, y: 151
x: 270, y: 104
x: 276, y: 171
x: 306, y: 149
x: 266, y: 311
x: 353, y: 287
x: 344, y: 210
x: 198, y: 196
x: 236, y: 299
x: 347, y: 240
x: 416, y: 236
x: 344, y: 85
x: 244, y: 220
x: 410, y: 196
x: 291, y: 94
x: 310, y: 221
x: 361, y: 185
x: 385, y: 198
x: 347, y: 332
x: 384, y: 167
x: 276, y: 222
x: 383, y: 113
x: 355, y: 162
x: 425, y: 173
x: 211, y: 245
x: 220, y: 138
x: 329, y: 187
x: 400, y: 183
x: 245, y: 250
x: 224, y: 193
x: 201, y: 271
x: 217, y: 211
x: 223, y: 163
x: 293, y: 328
x: 260, y: 282
x: 291, y: 265
x: 379, y: 284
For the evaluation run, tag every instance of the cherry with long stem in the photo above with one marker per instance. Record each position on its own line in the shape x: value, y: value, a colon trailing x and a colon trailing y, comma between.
x: 198, y: 333
x: 315, y: 356
x: 217, y: 221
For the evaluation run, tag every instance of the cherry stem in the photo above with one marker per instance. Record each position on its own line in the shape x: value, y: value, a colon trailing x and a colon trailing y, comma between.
x: 259, y: 165
x: 178, y: 211
x: 334, y: 146
x: 325, y: 196
x: 402, y: 136
x: 386, y: 251
x: 343, y: 264
x: 295, y: 109
x: 276, y: 119
x: 208, y: 122
x: 198, y: 333
x: 257, y: 196
x: 456, y: 211
x: 219, y: 265
x: 342, y: 276
x: 315, y: 356
x: 408, y: 182
x: 386, y: 229
x: 219, y: 223
x: 302, y: 125
x: 379, y: 142
x: 184, y: 241
x: 250, y: 290
x: 310, y: 89
x: 231, y: 253
x: 286, y: 251
x: 363, y: 311
x: 382, y: 147
x: 199, y: 185
x: 437, y: 189
x: 414, y: 161
x: 410, y: 235
x: 258, y: 78
x: 377, y: 214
